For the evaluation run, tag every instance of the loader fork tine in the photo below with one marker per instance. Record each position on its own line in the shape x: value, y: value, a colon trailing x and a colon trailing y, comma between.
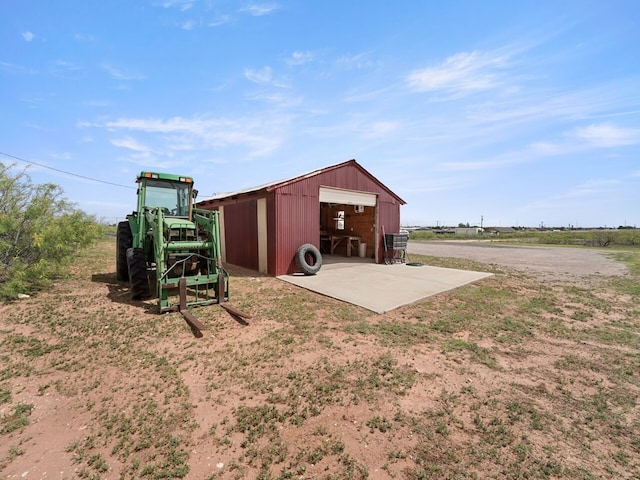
x: 193, y: 322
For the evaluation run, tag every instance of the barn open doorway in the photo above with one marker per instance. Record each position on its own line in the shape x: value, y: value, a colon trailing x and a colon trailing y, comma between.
x: 348, y: 223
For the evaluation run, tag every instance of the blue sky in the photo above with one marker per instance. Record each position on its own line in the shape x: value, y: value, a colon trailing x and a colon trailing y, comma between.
x: 522, y: 113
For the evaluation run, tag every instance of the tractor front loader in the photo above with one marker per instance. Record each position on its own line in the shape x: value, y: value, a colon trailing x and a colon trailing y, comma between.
x: 169, y: 249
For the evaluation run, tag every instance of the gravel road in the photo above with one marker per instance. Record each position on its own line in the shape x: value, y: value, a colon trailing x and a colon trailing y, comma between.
x: 547, y: 262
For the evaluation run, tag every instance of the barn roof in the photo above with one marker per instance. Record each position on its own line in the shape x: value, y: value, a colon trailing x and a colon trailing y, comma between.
x: 269, y: 187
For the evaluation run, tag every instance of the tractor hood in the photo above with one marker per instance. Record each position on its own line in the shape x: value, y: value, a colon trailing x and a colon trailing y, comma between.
x: 177, y: 222
x: 179, y: 230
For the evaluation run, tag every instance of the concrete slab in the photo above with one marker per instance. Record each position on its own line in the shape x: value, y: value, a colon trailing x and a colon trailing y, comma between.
x: 381, y: 288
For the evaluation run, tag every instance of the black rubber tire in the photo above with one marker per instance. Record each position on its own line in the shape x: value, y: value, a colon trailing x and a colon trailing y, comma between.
x: 124, y: 239
x: 308, y: 259
x: 138, y: 277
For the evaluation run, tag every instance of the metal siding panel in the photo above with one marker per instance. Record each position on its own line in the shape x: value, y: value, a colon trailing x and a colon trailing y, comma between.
x: 298, y: 222
x: 241, y: 234
x: 262, y: 235
x: 388, y: 222
x: 272, y: 246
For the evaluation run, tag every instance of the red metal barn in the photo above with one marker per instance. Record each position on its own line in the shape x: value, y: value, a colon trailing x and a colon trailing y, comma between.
x: 338, y: 209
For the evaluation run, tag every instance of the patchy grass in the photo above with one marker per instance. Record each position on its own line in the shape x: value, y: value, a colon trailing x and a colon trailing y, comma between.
x: 17, y: 419
x: 508, y: 378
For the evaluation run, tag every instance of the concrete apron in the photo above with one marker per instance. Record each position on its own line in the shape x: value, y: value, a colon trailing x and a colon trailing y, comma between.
x: 381, y: 288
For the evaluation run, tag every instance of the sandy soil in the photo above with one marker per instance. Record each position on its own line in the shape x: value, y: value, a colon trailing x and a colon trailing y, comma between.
x: 88, y: 358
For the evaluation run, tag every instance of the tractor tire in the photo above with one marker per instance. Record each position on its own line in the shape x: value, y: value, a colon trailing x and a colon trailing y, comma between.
x: 124, y: 238
x: 138, y: 277
x: 308, y: 259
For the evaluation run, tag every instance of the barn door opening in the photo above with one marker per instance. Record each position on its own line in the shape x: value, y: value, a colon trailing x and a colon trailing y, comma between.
x: 347, y: 222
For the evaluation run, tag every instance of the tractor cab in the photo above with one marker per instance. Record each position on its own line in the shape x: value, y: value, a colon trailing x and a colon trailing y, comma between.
x: 173, y: 194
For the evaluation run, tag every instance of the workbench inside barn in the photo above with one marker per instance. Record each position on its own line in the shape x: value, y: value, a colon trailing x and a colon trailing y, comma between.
x: 329, y: 243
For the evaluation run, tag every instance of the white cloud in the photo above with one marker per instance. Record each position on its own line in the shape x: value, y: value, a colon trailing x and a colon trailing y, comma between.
x: 219, y: 20
x: 120, y: 74
x: 13, y: 68
x: 28, y: 36
x: 261, y: 77
x: 591, y: 187
x: 359, y: 61
x: 258, y: 10
x: 81, y: 37
x: 258, y: 136
x: 434, y: 184
x: 481, y: 164
x: 380, y: 129
x: 571, y: 142
x: 131, y: 144
x: 548, y: 149
x: 188, y: 25
x: 279, y: 99
x: 608, y: 135
x: 156, y: 125
x: 528, y: 153
x: 67, y: 65
x: 61, y: 156
x: 65, y: 69
x: 299, y: 58
x: 182, y: 5
x: 576, y: 196
x: 460, y: 73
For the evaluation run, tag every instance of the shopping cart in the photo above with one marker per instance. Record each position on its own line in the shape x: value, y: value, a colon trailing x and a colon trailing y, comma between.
x: 395, y: 247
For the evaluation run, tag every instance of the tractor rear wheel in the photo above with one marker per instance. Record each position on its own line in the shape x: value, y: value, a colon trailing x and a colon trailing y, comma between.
x: 138, y: 277
x: 124, y: 238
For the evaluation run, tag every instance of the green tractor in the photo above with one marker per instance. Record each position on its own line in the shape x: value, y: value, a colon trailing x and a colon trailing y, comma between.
x: 169, y: 249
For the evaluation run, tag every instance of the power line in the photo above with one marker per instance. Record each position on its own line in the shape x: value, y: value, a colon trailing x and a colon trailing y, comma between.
x: 65, y: 172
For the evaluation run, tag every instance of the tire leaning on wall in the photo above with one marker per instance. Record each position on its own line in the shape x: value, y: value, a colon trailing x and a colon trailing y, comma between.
x: 308, y: 259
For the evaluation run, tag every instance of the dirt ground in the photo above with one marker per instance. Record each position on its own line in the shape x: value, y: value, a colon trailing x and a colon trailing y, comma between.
x: 551, y: 263
x: 510, y: 378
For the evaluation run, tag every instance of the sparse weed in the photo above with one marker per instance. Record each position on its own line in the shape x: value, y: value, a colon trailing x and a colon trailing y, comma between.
x: 17, y: 419
x: 444, y: 388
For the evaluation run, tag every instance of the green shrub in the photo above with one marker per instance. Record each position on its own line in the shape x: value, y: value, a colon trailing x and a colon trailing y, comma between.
x: 40, y: 231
